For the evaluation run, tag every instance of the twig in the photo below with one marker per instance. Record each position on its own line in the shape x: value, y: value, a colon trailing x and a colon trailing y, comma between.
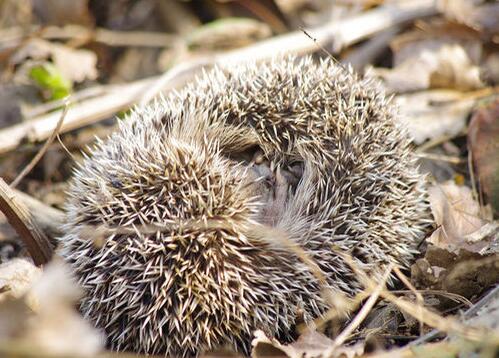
x: 22, y: 221
x: 361, y: 315
x: 48, y: 219
x: 419, y: 297
x: 436, y: 142
x: 367, y: 52
x: 434, y: 320
x: 79, y: 96
x: 85, y: 113
x: 42, y: 150
x: 440, y: 157
x: 468, y: 314
x: 13, y: 36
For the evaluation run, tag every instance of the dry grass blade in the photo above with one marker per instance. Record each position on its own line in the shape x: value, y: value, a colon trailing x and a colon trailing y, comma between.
x: 419, y: 297
x: 361, y: 315
x: 42, y: 150
x: 421, y: 313
x: 19, y: 217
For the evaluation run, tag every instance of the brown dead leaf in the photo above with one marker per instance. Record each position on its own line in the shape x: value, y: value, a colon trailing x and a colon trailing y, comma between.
x: 62, y: 12
x: 483, y: 143
x: 457, y: 215
x: 447, y: 66
x: 465, y: 273
x: 433, y: 114
x: 75, y: 65
x: 310, y: 344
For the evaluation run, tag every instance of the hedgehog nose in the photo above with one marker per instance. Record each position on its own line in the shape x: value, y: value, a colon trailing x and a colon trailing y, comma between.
x: 273, y: 188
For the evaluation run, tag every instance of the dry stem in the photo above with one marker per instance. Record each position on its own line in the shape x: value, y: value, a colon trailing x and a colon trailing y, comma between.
x: 21, y: 220
x: 42, y: 150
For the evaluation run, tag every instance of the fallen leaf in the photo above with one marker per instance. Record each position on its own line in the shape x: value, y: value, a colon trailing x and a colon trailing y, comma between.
x: 464, y: 273
x: 433, y: 114
x: 448, y: 66
x: 310, y: 344
x: 74, y: 65
x: 457, y: 215
x: 458, y: 10
x: 62, y: 12
x: 38, y: 311
x: 483, y: 144
x: 482, y: 18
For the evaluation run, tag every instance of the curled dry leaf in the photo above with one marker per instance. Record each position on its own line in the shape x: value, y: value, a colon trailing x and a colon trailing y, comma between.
x: 483, y: 143
x: 75, y: 65
x: 457, y: 215
x: 448, y: 66
x: 61, y: 12
x: 463, y: 255
x: 433, y: 114
x: 310, y: 344
x: 465, y: 273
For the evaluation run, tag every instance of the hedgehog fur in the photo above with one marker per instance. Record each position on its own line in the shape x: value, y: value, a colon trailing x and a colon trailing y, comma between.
x: 305, y: 148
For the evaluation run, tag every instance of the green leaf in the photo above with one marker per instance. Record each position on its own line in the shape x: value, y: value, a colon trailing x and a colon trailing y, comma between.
x: 49, y: 78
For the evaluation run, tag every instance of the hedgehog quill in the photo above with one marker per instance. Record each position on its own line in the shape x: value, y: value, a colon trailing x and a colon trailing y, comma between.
x: 306, y: 148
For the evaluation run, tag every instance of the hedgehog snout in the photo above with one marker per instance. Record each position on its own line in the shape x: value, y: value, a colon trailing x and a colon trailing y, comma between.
x: 274, y: 187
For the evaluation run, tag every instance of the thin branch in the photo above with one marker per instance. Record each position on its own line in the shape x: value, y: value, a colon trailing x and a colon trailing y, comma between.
x: 48, y: 219
x: 42, y: 150
x: 22, y: 221
x: 13, y: 36
x: 362, y: 314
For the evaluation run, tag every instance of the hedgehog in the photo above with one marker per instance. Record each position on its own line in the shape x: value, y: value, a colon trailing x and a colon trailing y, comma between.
x: 194, y: 188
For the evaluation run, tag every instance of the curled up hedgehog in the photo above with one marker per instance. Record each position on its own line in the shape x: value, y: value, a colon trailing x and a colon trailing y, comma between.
x: 190, y: 184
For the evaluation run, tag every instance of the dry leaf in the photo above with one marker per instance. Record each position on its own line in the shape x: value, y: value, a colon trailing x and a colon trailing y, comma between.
x: 433, y: 114
x: 310, y: 344
x: 62, y: 12
x: 448, y: 66
x: 458, y: 10
x: 75, y: 65
x: 482, y: 18
x: 465, y: 273
x: 457, y: 215
x: 483, y: 143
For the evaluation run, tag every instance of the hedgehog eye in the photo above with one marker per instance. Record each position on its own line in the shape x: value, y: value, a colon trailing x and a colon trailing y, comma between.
x: 116, y: 183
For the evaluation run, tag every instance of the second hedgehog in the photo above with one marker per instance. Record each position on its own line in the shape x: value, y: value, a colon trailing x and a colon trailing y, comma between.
x: 193, y: 187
